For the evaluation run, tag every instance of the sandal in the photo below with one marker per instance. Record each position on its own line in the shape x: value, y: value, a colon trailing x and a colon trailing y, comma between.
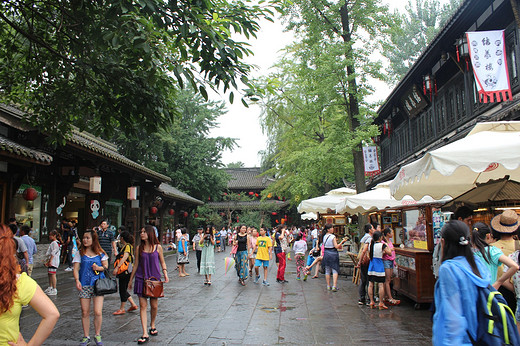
x: 119, y: 312
x: 153, y: 331
x: 143, y: 340
x: 394, y: 301
x: 372, y: 305
x: 314, y: 277
x: 383, y: 306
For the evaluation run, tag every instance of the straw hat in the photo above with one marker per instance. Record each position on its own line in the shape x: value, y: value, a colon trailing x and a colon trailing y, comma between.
x: 507, y: 222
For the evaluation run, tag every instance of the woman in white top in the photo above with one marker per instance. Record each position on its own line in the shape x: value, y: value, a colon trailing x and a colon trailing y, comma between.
x: 330, y: 260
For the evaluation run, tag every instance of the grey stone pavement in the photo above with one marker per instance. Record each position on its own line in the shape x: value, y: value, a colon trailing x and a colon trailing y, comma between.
x: 227, y: 313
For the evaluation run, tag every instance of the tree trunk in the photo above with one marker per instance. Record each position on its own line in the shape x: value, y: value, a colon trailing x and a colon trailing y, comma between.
x: 353, y: 111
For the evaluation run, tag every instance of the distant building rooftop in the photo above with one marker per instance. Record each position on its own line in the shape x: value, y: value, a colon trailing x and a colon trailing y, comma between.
x: 247, y: 179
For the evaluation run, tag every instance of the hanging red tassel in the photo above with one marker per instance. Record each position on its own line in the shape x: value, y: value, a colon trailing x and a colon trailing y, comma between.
x: 458, y: 56
x: 424, y: 87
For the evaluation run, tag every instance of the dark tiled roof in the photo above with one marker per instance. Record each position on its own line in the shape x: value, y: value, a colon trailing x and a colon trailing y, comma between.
x: 107, y: 149
x: 174, y: 193
x: 247, y: 178
x: 12, y: 148
x: 252, y: 205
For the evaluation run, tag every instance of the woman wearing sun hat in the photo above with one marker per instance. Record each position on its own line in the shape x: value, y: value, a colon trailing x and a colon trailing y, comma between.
x: 504, y: 227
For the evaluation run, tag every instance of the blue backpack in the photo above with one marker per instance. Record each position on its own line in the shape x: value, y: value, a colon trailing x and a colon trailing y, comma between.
x: 496, y: 321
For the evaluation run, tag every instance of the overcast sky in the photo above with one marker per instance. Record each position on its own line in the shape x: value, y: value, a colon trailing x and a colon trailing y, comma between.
x: 243, y: 123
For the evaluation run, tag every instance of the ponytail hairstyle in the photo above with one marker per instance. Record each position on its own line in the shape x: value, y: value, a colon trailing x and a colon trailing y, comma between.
x: 456, y: 243
x: 127, y: 237
x: 478, y: 239
x: 10, y: 268
x: 57, y: 235
x: 375, y: 238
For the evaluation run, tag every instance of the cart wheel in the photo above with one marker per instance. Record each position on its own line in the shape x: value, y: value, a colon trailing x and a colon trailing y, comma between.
x: 417, y: 306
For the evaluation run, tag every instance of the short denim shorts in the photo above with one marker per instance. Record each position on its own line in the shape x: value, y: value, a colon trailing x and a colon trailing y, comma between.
x: 261, y: 263
x: 388, y: 264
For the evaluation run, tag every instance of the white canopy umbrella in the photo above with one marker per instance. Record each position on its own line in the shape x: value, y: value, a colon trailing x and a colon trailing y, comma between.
x: 325, y: 203
x: 342, y: 191
x: 309, y: 216
x: 320, y: 204
x: 377, y: 199
x: 489, y: 151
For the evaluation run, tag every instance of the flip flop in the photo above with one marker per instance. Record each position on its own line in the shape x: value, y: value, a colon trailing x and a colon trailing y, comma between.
x: 142, y: 340
x: 314, y: 277
x: 153, y: 332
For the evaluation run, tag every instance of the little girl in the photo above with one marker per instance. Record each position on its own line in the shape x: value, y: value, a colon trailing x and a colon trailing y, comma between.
x: 300, y: 248
x: 376, y: 269
x: 53, y: 261
x: 89, y: 266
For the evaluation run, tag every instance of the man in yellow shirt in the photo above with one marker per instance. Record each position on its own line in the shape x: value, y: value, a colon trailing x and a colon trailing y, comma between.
x: 263, y: 255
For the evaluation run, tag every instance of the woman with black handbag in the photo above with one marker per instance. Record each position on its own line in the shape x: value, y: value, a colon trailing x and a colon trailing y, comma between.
x: 89, y: 266
x: 125, y: 259
x: 149, y: 261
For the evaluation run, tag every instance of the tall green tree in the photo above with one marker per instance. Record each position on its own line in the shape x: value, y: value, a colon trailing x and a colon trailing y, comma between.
x: 183, y: 150
x: 115, y: 65
x: 315, y: 112
x: 419, y: 23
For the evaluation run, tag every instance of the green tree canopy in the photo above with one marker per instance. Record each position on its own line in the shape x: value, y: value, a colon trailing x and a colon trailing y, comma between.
x: 315, y: 110
x: 183, y: 150
x: 418, y: 25
x: 107, y: 65
x: 238, y: 164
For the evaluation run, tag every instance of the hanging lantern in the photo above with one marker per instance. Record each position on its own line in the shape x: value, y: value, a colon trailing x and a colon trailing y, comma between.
x: 237, y: 220
x: 251, y: 193
x: 256, y: 195
x: 209, y: 198
x: 274, y: 213
x: 196, y: 215
x: 222, y: 214
x: 153, y: 210
x: 225, y: 193
x: 462, y: 47
x: 269, y: 195
x: 30, y: 194
x: 185, y: 214
x: 171, y: 211
x: 131, y: 193
x: 95, y: 185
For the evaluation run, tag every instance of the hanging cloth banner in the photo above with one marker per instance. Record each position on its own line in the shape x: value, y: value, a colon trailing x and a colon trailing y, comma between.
x: 488, y: 57
x: 371, y: 161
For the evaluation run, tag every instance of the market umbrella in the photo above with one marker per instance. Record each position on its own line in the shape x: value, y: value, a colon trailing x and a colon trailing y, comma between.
x: 489, y: 151
x: 492, y: 192
x: 309, y: 216
x: 377, y: 199
x: 324, y: 204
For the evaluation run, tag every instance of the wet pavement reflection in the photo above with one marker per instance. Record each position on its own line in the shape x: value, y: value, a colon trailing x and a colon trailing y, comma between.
x: 227, y: 313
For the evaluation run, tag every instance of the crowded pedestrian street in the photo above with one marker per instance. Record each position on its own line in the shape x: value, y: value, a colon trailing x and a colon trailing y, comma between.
x: 227, y: 313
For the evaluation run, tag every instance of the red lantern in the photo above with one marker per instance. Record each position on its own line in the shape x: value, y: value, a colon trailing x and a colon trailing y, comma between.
x: 251, y: 193
x: 274, y: 213
x: 185, y: 214
x: 225, y: 193
x: 171, y: 211
x: 256, y: 195
x: 153, y: 210
x: 209, y: 198
x: 30, y: 194
x: 196, y: 215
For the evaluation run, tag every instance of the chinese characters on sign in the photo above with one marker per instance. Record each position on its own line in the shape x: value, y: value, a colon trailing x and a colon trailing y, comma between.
x: 413, y: 102
x: 488, y: 59
x: 371, y: 161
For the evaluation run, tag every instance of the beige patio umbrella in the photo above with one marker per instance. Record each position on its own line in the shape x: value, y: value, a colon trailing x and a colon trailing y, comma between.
x: 489, y: 151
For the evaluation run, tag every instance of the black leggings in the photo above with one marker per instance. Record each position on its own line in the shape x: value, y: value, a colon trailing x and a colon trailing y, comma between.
x: 124, y: 279
x: 199, y: 257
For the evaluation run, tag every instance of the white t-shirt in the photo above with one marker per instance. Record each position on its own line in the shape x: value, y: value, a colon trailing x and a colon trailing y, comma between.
x: 54, y: 251
x: 314, y: 234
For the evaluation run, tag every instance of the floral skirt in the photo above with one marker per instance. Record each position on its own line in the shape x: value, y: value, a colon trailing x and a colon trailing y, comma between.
x: 242, y: 264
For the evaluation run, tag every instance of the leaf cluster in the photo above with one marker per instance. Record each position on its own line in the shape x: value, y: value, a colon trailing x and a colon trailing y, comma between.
x: 115, y: 65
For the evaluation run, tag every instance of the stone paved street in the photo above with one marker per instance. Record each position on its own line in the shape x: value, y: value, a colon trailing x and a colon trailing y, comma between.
x: 227, y: 313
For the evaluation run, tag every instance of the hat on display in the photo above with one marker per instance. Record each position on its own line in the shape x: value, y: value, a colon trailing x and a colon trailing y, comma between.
x: 507, y: 222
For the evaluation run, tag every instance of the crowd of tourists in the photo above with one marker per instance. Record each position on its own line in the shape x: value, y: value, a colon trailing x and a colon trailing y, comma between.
x: 468, y: 257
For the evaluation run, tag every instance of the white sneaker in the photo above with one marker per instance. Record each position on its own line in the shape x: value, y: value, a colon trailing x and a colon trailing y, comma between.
x: 69, y: 269
x: 53, y: 292
x: 48, y: 289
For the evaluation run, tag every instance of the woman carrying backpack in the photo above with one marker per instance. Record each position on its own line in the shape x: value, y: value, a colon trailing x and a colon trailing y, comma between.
x: 125, y: 259
x: 456, y: 290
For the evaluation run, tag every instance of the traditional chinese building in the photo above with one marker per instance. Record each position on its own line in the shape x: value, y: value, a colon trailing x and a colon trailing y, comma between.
x: 438, y: 100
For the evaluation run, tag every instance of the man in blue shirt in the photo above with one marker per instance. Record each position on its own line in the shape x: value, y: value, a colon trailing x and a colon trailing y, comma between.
x: 31, y: 246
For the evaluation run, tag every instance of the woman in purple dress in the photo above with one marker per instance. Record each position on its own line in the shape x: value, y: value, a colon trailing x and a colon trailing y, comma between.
x: 149, y: 262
